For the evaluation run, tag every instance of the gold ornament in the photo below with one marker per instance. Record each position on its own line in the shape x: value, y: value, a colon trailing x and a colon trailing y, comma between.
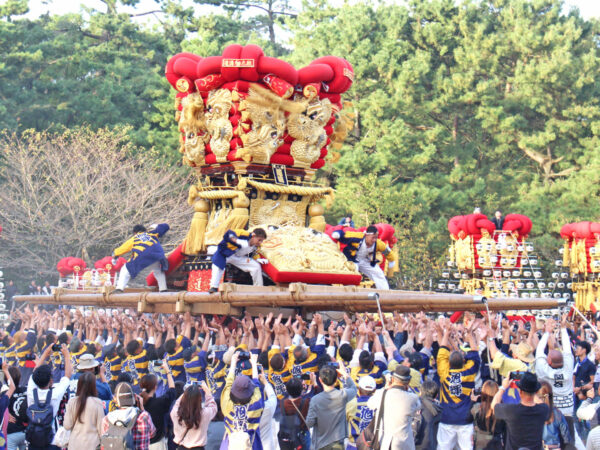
x: 299, y: 249
x: 217, y: 122
x: 193, y: 125
x: 307, y: 130
x: 267, y: 113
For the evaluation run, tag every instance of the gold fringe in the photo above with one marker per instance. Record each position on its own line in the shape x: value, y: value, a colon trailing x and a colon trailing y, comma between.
x: 194, y: 241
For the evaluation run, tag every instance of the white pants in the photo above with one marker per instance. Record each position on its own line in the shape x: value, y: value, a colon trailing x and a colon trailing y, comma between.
x: 374, y: 273
x: 451, y: 436
x: 124, y: 276
x: 243, y: 263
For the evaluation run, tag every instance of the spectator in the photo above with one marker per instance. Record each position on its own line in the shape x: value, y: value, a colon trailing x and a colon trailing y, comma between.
x: 32, y: 288
x: 268, y: 432
x: 242, y: 405
x: 191, y: 417
x: 347, y: 221
x: 399, y: 408
x: 128, y: 407
x: 158, y: 407
x: 457, y: 378
x: 525, y: 420
x: 47, y: 289
x: 41, y: 382
x: 556, y: 429
x: 431, y: 410
x: 84, y: 415
x: 295, y: 405
x: 327, y: 410
x: 17, y: 409
x: 489, y: 432
x: 11, y: 290
x: 498, y: 220
x: 88, y: 364
x: 477, y: 210
x: 583, y: 380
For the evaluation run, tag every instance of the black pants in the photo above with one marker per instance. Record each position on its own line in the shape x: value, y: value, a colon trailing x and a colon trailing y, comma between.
x: 181, y: 447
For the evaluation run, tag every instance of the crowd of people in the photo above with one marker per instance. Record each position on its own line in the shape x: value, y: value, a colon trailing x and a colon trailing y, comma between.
x: 76, y: 379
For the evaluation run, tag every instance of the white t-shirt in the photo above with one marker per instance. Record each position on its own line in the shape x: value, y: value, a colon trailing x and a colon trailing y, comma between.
x: 364, y: 253
x: 245, y: 249
x: 58, y: 392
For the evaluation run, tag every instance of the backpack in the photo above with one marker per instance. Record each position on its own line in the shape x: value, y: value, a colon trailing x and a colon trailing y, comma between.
x: 291, y: 436
x: 39, y: 432
x: 119, y: 436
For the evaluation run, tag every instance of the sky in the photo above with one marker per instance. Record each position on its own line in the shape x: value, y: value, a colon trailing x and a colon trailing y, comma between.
x: 587, y: 8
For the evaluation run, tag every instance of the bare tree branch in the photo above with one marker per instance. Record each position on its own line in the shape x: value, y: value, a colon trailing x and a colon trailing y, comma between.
x: 80, y: 193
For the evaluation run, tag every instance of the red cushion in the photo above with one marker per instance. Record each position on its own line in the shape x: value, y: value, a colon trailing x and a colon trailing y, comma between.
x: 251, y: 52
x: 311, y: 278
x: 209, y: 66
x: 232, y: 51
x: 175, y: 259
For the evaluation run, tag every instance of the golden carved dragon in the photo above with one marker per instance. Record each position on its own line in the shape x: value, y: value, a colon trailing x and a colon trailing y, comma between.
x: 307, y: 128
x: 192, y: 124
x: 217, y: 122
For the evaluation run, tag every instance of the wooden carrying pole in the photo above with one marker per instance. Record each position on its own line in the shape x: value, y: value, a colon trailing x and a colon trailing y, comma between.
x: 232, y: 298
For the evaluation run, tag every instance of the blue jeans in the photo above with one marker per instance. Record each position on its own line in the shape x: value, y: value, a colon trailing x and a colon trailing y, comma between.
x: 16, y: 441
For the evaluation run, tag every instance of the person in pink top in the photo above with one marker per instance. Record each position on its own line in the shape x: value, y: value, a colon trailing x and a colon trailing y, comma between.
x: 191, y: 416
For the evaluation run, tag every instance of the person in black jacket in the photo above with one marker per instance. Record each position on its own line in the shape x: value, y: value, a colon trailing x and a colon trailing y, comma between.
x: 425, y: 437
x: 498, y: 220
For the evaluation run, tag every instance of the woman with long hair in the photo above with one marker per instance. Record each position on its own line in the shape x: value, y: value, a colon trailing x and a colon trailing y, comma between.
x: 556, y: 428
x: 489, y: 432
x: 191, y: 417
x: 84, y: 415
x: 158, y: 407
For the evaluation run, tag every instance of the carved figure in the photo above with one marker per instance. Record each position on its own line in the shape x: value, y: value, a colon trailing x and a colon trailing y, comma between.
x: 308, y: 130
x: 192, y: 124
x: 217, y: 122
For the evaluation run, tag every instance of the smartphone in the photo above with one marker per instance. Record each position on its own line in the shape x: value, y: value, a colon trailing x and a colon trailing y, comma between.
x: 260, y: 369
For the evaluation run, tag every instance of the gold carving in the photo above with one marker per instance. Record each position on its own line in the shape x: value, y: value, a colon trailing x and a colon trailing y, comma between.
x: 217, y: 122
x: 182, y: 85
x: 299, y: 249
x: 307, y: 129
x: 266, y: 110
x: 193, y: 125
x: 463, y: 249
x: 278, y: 212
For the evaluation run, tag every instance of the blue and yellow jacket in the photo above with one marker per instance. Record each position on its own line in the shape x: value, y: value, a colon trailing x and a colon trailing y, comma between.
x: 456, y: 387
x: 227, y: 247
x: 145, y: 249
x: 358, y: 416
x: 175, y: 359
x: 352, y: 241
x: 195, y: 367
x: 25, y: 348
x: 246, y: 417
x: 115, y: 365
x: 279, y: 378
x: 215, y: 374
x: 137, y: 365
x: 376, y: 372
x: 297, y: 368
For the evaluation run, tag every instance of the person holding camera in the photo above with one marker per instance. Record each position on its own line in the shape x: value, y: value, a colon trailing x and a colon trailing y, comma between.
x: 191, y: 416
x: 158, y: 407
x: 41, y: 387
x: 89, y: 364
x: 525, y: 420
x: 327, y: 410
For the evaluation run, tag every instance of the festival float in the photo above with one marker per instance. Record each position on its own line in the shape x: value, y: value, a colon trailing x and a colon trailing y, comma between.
x: 494, y: 263
x: 580, y: 264
x: 254, y: 130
